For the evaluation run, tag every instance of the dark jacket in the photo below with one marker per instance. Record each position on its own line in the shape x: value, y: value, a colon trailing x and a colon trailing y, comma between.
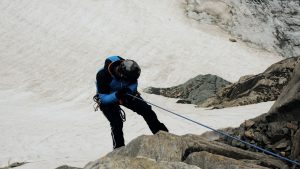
x: 108, y: 83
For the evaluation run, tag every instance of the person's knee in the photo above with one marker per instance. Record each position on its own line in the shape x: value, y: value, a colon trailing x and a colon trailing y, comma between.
x: 144, y: 109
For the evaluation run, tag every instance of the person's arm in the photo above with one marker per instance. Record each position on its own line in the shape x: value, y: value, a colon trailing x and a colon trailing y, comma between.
x: 103, y: 79
x: 108, y: 98
x: 133, y: 87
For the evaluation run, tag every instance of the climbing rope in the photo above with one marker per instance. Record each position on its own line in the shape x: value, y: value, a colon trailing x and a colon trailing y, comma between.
x: 222, y: 133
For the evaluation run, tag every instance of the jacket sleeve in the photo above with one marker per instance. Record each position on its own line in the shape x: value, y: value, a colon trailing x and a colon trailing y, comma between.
x: 103, y: 89
x: 133, y: 87
x: 108, y: 98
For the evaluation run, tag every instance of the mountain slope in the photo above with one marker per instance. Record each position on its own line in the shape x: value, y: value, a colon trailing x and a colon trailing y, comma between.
x: 50, y: 51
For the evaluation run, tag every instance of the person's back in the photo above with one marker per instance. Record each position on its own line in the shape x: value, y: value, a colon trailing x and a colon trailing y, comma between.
x: 116, y: 84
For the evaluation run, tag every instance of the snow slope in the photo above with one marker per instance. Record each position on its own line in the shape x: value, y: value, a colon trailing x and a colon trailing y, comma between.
x: 50, y: 51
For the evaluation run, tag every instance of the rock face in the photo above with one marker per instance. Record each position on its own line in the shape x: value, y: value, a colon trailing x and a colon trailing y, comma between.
x: 271, y: 24
x: 166, y: 151
x: 67, y: 167
x: 265, y: 86
x: 279, y: 129
x: 137, y: 163
x: 205, y: 159
x: 194, y: 91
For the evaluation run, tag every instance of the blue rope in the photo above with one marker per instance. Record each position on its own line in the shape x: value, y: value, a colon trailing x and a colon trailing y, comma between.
x: 223, y: 133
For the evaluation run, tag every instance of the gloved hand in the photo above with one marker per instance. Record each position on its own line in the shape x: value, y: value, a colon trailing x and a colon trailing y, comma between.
x: 122, y: 93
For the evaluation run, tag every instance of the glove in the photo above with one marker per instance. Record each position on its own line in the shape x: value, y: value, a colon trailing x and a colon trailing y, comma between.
x: 120, y: 94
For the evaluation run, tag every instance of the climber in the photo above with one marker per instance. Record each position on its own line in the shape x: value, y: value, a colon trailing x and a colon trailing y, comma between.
x: 116, y: 83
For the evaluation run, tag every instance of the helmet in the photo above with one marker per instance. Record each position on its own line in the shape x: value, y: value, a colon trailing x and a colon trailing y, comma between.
x: 129, y: 70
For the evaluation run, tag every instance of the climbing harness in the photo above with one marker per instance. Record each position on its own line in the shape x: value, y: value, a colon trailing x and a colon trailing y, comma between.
x: 97, y: 107
x: 222, y: 133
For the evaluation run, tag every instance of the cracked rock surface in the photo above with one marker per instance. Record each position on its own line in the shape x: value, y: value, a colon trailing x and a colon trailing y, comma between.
x: 270, y: 24
x: 165, y: 150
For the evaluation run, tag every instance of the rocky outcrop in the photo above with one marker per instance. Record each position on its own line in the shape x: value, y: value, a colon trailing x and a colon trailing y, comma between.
x: 165, y: 150
x: 213, y: 91
x: 251, y: 89
x: 272, y: 24
x: 13, y: 165
x: 279, y: 129
x: 67, y: 167
x: 208, y: 160
x: 194, y: 91
x: 137, y: 163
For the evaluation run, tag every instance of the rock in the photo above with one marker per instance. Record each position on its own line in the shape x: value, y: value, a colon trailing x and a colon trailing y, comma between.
x: 296, y: 145
x: 249, y: 134
x: 67, y: 167
x: 292, y: 126
x: 206, y: 160
x: 162, y: 148
x: 212, y: 102
x: 194, y: 90
x: 218, y: 107
x: 15, y: 164
x: 265, y: 140
x: 283, y: 154
x: 283, y: 144
x: 287, y: 106
x: 273, y: 25
x: 249, y: 123
x: 239, y: 144
x: 259, y: 137
x: 263, y: 87
x: 232, y: 40
x: 278, y: 129
x: 288, y: 149
x: 136, y: 163
x: 263, y: 127
x: 184, y: 101
x: 213, y: 136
